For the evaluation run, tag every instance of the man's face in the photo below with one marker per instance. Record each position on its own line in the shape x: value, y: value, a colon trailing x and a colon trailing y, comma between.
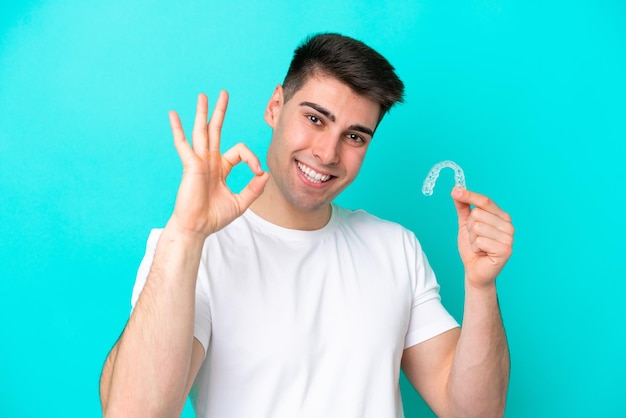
x: 319, y: 142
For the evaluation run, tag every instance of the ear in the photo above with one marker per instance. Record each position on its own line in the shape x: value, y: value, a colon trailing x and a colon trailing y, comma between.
x: 274, y: 106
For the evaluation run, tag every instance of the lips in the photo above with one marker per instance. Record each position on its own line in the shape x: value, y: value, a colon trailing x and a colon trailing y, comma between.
x: 312, y: 175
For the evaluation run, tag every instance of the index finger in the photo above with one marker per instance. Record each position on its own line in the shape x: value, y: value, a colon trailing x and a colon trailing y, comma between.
x: 480, y: 201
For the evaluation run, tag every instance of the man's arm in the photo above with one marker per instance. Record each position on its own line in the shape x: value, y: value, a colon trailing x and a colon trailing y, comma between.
x: 150, y: 369
x: 465, y: 373
x: 197, y: 357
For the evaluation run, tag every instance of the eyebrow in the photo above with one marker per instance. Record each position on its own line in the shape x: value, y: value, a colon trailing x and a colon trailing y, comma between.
x: 329, y: 115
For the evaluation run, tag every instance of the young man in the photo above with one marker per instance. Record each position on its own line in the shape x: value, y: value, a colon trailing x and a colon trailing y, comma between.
x: 277, y: 303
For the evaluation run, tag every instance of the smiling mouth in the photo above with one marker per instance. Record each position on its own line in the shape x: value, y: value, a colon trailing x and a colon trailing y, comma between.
x: 312, y: 175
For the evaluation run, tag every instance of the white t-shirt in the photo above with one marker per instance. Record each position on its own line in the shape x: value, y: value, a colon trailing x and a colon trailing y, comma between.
x: 308, y: 323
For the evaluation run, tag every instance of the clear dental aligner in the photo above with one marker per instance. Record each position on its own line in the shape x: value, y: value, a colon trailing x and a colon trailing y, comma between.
x: 429, y: 182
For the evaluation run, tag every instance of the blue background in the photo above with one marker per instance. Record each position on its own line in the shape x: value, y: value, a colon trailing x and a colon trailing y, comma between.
x: 527, y: 96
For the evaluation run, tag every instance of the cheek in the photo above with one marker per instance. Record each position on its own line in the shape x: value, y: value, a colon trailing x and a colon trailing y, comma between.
x: 273, y: 156
x: 289, y: 138
x: 280, y: 151
x: 353, y: 160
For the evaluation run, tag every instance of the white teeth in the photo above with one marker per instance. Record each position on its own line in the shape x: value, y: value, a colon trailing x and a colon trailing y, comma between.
x: 312, y: 175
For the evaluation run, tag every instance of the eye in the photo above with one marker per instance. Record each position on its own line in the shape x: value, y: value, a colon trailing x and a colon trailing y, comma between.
x: 356, y: 139
x: 314, y: 119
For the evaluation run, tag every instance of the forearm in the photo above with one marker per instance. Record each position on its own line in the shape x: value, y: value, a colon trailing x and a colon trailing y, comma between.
x: 150, y: 364
x: 479, y: 376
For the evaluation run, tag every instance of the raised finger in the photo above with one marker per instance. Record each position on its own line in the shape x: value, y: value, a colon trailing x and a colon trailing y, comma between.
x: 200, y: 136
x: 180, y: 142
x: 216, y: 122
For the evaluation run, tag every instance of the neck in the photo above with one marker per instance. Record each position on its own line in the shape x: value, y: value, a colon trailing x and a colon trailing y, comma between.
x: 273, y: 207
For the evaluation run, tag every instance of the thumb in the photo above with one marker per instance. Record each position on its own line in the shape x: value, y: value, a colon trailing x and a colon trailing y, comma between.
x: 462, y: 209
x: 253, y: 190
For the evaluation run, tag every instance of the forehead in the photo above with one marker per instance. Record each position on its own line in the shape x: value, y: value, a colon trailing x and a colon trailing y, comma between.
x: 338, y: 98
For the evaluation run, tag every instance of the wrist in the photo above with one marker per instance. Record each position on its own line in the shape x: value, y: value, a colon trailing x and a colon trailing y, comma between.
x: 174, y: 231
x: 481, y: 301
x: 488, y: 288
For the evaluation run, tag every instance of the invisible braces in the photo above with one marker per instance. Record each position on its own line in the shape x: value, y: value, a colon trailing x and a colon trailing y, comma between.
x: 429, y: 183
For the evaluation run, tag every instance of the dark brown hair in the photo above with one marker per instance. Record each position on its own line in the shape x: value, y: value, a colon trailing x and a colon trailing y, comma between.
x: 348, y: 60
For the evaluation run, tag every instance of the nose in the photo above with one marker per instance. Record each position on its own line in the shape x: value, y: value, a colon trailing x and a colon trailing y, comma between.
x: 326, y: 149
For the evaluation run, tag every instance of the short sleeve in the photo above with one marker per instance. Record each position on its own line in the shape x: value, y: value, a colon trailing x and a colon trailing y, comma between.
x: 146, y: 263
x: 428, y: 317
x: 202, y: 322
